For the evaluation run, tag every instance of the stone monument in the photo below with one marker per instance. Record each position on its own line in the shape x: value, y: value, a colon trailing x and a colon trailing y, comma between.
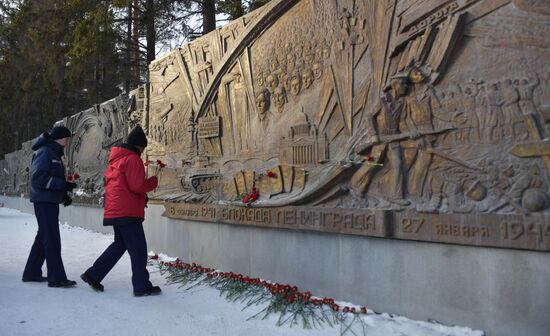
x: 406, y: 119
x: 401, y: 119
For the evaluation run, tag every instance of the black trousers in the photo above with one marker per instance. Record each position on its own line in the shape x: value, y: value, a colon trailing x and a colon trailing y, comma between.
x: 46, y: 246
x: 128, y: 237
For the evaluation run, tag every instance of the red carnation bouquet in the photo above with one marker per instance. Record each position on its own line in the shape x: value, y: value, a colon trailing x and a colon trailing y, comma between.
x: 157, y: 165
x: 73, y: 177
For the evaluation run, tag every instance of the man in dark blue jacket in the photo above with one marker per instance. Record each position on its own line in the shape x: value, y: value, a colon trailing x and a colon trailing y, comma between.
x: 48, y: 189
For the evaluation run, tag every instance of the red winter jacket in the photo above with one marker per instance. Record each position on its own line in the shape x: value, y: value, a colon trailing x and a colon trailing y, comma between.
x: 125, y: 186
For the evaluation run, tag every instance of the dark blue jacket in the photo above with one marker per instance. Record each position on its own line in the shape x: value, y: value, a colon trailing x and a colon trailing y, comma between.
x: 47, y: 171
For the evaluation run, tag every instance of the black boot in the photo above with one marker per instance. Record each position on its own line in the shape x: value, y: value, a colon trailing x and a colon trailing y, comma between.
x: 92, y: 282
x: 62, y: 284
x: 39, y: 279
x: 155, y: 290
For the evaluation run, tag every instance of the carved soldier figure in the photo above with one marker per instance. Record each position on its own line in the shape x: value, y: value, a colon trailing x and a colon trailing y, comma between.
x: 419, y: 116
x: 494, y: 114
x: 391, y: 116
x: 345, y: 17
x: 449, y: 107
x: 240, y: 112
x: 528, y: 108
x: 510, y: 108
x: 471, y: 107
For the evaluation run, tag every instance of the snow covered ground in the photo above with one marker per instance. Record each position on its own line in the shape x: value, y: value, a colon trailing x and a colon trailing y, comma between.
x: 35, y: 309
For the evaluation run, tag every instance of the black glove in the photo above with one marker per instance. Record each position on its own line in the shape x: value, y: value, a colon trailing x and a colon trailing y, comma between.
x: 146, y: 200
x: 69, y: 186
x: 67, y: 201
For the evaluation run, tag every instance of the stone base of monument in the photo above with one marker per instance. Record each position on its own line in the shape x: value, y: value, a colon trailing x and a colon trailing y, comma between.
x: 499, y: 290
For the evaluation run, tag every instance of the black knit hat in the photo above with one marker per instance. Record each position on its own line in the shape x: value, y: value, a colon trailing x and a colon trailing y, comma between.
x: 60, y: 132
x: 137, y: 137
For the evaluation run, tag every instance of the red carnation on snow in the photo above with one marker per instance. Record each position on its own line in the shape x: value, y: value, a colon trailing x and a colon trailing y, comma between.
x: 287, y: 293
x: 69, y: 177
x: 76, y: 176
x: 270, y: 174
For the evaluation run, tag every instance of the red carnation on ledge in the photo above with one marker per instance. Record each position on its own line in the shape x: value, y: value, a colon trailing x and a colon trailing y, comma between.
x: 252, y: 197
x: 270, y: 174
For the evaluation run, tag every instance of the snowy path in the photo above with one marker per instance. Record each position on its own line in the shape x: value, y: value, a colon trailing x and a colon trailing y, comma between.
x: 35, y: 309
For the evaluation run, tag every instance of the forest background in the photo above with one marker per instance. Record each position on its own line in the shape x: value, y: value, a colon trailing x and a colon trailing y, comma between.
x: 60, y: 57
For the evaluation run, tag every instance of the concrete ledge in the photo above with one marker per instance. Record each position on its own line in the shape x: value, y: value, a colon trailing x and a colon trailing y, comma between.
x: 501, y: 291
x: 12, y: 202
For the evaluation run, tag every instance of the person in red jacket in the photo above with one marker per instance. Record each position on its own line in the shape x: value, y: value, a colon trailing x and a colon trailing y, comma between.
x: 125, y: 198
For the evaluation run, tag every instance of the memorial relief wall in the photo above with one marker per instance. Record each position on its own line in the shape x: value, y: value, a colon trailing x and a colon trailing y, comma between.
x: 409, y: 119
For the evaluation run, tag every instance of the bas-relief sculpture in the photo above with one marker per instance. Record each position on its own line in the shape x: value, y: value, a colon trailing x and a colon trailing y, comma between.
x: 95, y: 131
x: 407, y: 119
x: 411, y: 107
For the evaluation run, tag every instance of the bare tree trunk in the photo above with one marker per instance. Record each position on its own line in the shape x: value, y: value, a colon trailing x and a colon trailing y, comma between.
x: 150, y: 30
x: 208, y: 16
x: 128, y: 67
x: 237, y: 9
x: 135, y: 58
x: 59, y: 106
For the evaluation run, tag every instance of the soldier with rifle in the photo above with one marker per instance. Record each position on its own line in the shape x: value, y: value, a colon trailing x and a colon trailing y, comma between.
x: 392, y: 113
x: 404, y: 122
